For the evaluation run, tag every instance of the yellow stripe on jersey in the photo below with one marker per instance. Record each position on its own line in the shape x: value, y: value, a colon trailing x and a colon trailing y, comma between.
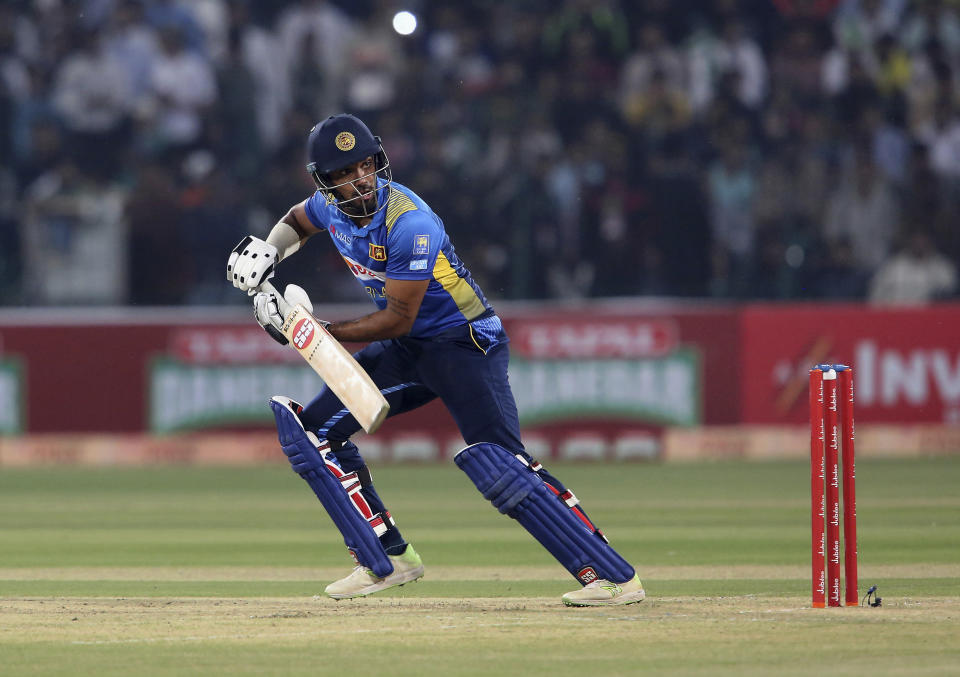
x: 397, y: 204
x: 468, y: 303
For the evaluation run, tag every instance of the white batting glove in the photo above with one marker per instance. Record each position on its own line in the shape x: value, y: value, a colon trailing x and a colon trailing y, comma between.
x: 251, y: 263
x: 267, y: 311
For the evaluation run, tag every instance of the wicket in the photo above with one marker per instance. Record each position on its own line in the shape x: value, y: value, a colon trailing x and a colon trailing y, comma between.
x: 832, y: 427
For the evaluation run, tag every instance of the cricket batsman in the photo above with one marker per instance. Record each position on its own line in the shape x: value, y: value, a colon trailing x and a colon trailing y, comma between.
x: 433, y: 335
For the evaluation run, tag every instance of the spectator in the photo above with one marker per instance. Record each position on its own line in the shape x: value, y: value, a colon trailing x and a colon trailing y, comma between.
x: 732, y: 189
x: 91, y: 93
x: 603, y: 20
x: 931, y: 20
x: 74, y: 238
x: 263, y: 56
x: 889, y: 143
x: 152, y: 207
x: 376, y: 61
x: 10, y: 259
x: 793, y: 184
x: 41, y: 147
x: 853, y: 91
x: 538, y: 131
x: 210, y: 212
x: 734, y: 57
x: 658, y: 112
x: 942, y: 137
x: 917, y: 274
x: 864, y: 211
x: 931, y: 78
x: 858, y: 24
x: 840, y: 275
x: 796, y: 62
x: 182, y: 87
x: 654, y: 58
x: 316, y: 34
x: 926, y: 202
x: 236, y: 134
x: 133, y: 44
x: 14, y: 84
x: 176, y: 17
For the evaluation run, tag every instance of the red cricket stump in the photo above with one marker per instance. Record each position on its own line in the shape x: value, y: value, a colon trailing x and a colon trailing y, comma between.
x: 849, y: 489
x: 816, y: 488
x: 833, y: 486
x: 832, y: 443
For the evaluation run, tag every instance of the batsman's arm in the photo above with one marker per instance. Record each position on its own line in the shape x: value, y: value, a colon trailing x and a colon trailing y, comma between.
x: 290, y: 232
x: 252, y: 261
x: 403, y: 303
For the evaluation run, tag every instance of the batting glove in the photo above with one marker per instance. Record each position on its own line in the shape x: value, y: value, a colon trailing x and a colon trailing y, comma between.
x: 251, y: 263
x: 267, y: 311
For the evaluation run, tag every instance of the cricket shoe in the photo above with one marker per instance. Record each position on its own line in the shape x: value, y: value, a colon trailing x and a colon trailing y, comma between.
x: 603, y: 593
x: 362, y: 582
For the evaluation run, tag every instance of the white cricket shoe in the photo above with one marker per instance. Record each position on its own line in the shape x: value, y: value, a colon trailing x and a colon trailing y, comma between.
x: 602, y: 593
x: 362, y: 582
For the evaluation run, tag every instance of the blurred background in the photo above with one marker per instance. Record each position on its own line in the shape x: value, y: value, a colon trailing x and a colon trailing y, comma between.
x: 678, y: 206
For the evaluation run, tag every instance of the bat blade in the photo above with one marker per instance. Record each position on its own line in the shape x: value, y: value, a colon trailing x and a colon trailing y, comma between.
x: 336, y: 366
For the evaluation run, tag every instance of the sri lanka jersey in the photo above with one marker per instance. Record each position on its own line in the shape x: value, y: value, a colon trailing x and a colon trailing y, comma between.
x: 405, y: 241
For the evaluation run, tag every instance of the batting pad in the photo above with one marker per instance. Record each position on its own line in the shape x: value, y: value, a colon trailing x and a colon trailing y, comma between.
x: 516, y: 490
x: 344, y: 507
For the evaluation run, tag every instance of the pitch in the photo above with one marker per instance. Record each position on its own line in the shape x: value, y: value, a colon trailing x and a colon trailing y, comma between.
x: 178, y: 570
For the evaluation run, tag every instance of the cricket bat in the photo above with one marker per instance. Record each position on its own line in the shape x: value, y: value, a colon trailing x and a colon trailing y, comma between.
x: 332, y: 362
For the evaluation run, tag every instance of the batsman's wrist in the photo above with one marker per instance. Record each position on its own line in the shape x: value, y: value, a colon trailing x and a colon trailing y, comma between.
x: 285, y: 238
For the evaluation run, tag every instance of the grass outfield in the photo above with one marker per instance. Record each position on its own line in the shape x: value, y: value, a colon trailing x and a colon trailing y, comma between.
x: 173, y: 571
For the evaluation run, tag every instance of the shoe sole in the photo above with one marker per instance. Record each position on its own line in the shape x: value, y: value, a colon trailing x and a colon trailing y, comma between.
x: 631, y: 598
x: 410, y: 577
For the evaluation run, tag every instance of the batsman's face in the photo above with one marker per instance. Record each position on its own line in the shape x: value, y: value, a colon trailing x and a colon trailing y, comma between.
x: 355, y: 186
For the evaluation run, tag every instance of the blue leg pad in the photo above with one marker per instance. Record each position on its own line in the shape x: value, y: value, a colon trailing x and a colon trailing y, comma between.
x: 516, y: 490
x: 307, y: 461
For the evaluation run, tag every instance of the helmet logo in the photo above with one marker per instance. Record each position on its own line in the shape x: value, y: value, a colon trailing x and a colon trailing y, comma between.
x: 345, y: 141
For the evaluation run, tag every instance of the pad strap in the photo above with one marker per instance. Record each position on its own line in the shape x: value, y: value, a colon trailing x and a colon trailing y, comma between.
x: 513, y: 486
x: 339, y: 492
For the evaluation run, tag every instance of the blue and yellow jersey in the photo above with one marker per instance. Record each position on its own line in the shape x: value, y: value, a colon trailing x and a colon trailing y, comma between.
x: 405, y: 241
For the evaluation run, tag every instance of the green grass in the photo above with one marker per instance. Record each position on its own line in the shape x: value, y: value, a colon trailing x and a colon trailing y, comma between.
x: 704, y: 514
x: 178, y: 570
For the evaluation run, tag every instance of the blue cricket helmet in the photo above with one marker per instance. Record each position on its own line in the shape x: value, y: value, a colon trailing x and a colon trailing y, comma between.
x: 342, y: 140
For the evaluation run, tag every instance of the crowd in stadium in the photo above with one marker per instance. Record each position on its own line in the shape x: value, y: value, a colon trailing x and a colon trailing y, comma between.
x: 770, y: 149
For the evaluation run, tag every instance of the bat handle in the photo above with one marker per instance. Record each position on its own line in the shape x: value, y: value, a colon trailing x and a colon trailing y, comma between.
x: 282, y: 304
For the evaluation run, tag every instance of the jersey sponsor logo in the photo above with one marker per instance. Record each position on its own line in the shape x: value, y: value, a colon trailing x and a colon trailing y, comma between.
x: 418, y: 264
x: 361, y: 272
x: 378, y: 252
x: 343, y: 237
x: 421, y: 244
x: 303, y: 333
x: 345, y: 141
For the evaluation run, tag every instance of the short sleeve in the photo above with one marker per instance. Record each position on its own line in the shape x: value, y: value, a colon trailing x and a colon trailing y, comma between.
x: 317, y: 210
x: 412, y: 246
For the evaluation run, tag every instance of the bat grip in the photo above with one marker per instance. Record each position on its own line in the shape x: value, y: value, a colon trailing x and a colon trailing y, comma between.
x: 282, y: 304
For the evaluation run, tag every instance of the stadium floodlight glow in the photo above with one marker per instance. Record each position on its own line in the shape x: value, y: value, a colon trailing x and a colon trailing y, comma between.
x: 404, y: 22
